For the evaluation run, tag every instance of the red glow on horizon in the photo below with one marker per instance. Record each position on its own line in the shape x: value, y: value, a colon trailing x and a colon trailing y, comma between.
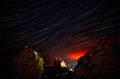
x: 76, y: 55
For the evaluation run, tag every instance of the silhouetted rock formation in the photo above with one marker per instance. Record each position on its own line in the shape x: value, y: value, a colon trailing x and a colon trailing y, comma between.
x: 27, y: 65
x: 102, y: 61
x: 57, y: 71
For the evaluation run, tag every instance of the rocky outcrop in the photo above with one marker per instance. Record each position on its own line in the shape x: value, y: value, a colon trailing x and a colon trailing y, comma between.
x: 102, y: 61
x: 27, y: 65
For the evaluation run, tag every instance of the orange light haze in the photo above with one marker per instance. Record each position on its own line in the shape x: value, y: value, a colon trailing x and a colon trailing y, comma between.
x: 76, y: 55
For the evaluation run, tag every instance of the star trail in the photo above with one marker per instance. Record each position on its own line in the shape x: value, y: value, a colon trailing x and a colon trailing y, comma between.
x: 56, y: 27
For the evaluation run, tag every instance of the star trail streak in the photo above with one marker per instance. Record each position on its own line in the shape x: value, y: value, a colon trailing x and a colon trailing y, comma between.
x: 52, y: 25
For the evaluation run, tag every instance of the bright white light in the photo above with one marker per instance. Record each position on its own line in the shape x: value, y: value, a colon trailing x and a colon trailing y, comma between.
x: 63, y: 64
x: 71, y: 69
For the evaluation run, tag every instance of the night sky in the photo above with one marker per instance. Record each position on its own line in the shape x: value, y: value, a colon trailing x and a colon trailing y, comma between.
x: 56, y: 28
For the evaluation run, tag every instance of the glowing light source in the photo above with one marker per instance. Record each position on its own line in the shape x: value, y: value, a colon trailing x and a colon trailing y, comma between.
x: 71, y: 69
x: 63, y: 64
x: 76, y: 55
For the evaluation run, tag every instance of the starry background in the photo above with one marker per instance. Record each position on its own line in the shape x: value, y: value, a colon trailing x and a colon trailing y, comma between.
x: 56, y: 28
